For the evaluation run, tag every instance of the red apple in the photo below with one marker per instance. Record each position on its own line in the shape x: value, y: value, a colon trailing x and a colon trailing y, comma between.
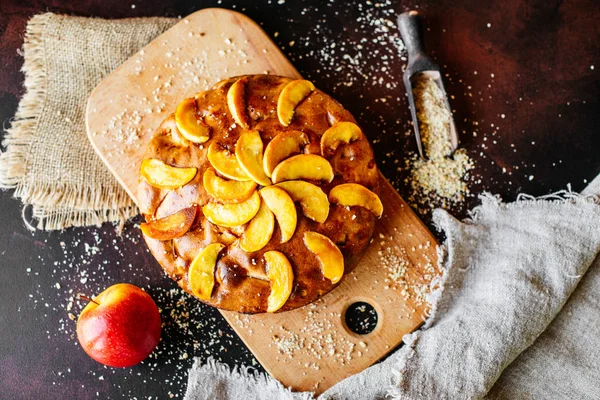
x: 120, y: 327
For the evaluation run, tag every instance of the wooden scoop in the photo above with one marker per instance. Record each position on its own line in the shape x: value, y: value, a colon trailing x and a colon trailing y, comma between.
x: 420, y: 66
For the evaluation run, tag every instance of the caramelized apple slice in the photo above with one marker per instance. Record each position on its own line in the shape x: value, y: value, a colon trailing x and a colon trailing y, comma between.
x: 236, y: 101
x: 329, y: 255
x: 226, y: 163
x: 201, y: 276
x: 226, y: 191
x: 281, y: 204
x: 340, y: 132
x: 231, y: 215
x: 292, y: 94
x: 281, y: 276
x: 282, y: 146
x: 249, y: 153
x: 259, y: 230
x: 312, y: 199
x: 171, y: 227
x: 303, y: 166
x: 353, y: 194
x: 164, y: 176
x: 188, y: 124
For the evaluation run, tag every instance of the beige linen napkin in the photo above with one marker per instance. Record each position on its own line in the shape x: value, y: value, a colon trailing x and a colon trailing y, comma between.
x: 48, y: 159
x: 509, y: 270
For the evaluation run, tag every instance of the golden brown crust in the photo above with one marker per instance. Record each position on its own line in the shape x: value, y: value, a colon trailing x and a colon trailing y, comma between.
x: 241, y: 282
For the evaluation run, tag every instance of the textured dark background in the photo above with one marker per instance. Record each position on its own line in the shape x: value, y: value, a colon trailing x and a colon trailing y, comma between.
x: 525, y: 93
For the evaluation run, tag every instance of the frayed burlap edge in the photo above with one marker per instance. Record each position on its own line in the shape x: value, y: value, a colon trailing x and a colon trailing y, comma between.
x: 54, y: 206
x: 79, y: 207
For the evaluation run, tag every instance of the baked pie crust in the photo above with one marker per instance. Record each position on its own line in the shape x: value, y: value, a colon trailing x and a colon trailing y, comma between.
x: 259, y: 194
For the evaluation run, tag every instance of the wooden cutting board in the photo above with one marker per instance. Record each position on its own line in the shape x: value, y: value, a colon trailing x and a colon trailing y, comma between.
x: 310, y: 348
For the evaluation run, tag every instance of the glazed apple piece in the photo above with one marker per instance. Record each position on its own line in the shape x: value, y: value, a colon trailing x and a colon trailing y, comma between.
x: 259, y: 231
x: 329, y: 255
x: 164, y: 176
x: 225, y: 163
x: 171, y: 227
x: 188, y: 123
x: 292, y: 94
x: 282, y: 146
x: 353, y: 194
x: 236, y: 101
x: 234, y: 214
x: 282, y: 205
x: 338, y: 133
x: 281, y: 276
x: 227, y: 191
x: 303, y: 166
x: 201, y: 275
x: 312, y: 199
x: 249, y: 153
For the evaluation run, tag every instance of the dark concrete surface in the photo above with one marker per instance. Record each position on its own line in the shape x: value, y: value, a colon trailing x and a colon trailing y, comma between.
x: 524, y: 80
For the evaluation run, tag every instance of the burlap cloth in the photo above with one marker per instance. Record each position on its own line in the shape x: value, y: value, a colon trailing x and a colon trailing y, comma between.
x: 48, y: 159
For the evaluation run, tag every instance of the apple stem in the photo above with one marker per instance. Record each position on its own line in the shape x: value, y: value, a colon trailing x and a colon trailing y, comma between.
x: 81, y: 296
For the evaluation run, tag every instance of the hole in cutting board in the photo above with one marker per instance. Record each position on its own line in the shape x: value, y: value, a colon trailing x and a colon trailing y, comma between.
x: 361, y: 317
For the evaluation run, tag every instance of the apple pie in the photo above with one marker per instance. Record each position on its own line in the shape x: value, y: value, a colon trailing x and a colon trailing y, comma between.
x: 259, y: 194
